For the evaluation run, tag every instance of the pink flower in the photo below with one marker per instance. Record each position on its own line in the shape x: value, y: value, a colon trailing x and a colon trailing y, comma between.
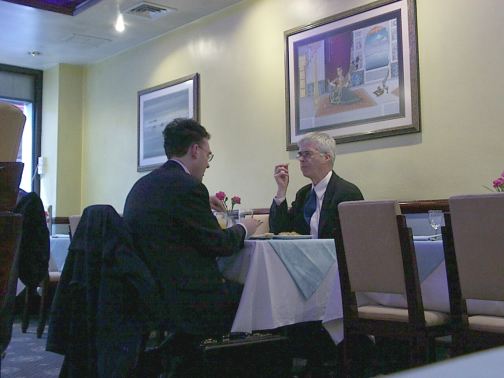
x: 221, y: 196
x: 235, y: 200
x: 498, y: 182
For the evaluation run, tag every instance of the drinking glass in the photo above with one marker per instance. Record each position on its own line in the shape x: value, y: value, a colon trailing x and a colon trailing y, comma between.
x: 222, y: 218
x: 242, y: 213
x: 436, y: 219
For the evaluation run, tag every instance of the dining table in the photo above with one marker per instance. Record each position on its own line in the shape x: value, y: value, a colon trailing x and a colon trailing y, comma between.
x: 276, y: 293
x: 58, y: 244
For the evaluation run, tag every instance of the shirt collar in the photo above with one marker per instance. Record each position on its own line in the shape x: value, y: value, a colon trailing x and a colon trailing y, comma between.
x: 181, y: 164
x: 321, y: 187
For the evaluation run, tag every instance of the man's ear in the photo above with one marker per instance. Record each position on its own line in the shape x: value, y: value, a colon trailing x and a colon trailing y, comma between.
x: 193, y: 150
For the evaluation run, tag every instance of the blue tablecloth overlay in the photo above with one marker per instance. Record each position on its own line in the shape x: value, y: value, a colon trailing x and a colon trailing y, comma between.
x: 59, y: 250
x: 432, y: 255
x: 307, y: 262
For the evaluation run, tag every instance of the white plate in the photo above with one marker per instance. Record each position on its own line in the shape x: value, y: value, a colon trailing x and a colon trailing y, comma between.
x: 291, y: 237
x: 427, y: 237
x: 261, y: 237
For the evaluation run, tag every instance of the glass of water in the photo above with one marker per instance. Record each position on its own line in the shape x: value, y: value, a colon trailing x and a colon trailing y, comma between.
x: 436, y: 220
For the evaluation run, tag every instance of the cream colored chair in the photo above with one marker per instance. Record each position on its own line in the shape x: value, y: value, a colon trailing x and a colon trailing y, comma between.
x: 474, y: 256
x: 376, y: 253
x: 264, y: 227
x: 73, y: 222
x: 12, y: 122
x: 51, y: 282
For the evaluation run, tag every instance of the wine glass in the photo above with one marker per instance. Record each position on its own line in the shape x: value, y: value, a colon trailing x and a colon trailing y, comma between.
x: 435, y: 220
x: 242, y: 213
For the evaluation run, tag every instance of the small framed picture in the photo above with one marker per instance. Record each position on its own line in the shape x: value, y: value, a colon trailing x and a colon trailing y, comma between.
x: 157, y: 106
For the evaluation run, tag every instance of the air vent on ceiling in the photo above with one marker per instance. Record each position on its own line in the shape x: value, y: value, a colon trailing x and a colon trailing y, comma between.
x: 85, y: 40
x: 149, y: 10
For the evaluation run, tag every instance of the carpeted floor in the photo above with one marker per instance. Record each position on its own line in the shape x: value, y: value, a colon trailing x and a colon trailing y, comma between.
x: 26, y: 356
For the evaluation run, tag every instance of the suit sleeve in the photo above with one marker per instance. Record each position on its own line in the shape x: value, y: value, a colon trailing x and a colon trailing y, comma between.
x: 282, y: 219
x: 201, y: 229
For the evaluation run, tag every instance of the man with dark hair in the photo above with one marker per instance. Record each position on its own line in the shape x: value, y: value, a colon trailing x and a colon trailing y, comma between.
x: 169, y: 215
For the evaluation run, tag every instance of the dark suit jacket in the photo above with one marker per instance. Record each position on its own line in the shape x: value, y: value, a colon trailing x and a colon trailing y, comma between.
x: 34, y: 248
x: 338, y: 190
x: 105, y: 302
x: 169, y: 216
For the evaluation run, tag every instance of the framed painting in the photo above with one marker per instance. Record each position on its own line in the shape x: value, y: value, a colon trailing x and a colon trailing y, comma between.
x: 354, y: 75
x: 157, y: 106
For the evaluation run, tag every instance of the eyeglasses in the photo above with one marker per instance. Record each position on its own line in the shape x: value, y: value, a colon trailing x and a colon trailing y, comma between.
x: 307, y: 154
x: 210, y: 154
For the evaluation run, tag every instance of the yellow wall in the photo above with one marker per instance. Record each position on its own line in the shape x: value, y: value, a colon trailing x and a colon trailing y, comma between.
x: 62, y: 139
x: 239, y: 54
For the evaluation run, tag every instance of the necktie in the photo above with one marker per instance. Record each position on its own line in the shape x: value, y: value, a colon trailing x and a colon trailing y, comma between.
x: 310, y: 206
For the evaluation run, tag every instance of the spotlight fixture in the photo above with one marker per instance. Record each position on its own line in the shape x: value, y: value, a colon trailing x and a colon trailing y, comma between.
x: 119, y: 25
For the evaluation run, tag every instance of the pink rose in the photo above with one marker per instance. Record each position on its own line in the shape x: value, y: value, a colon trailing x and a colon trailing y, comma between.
x: 498, y: 182
x: 220, y: 195
x: 235, y: 200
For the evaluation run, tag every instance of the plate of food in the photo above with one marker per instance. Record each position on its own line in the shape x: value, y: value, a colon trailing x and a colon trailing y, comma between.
x: 265, y: 236
x: 290, y: 235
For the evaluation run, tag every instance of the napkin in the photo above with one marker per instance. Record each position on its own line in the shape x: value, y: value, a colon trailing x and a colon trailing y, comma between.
x: 306, y: 261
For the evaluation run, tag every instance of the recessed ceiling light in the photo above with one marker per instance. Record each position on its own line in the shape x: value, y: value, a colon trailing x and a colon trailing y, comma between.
x: 34, y: 53
x: 119, y: 25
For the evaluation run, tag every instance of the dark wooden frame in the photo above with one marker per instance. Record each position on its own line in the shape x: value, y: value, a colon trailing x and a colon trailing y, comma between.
x: 405, y: 120
x: 464, y: 339
x: 421, y: 337
x: 407, y: 207
x: 157, y: 92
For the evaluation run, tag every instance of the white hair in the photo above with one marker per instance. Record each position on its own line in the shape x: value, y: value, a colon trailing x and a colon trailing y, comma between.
x: 323, y: 142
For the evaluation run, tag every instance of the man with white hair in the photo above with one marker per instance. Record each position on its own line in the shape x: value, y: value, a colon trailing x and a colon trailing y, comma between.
x: 315, y: 209
x: 314, y: 212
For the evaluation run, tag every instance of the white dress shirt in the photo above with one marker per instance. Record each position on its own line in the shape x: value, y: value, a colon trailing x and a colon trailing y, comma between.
x: 320, y: 190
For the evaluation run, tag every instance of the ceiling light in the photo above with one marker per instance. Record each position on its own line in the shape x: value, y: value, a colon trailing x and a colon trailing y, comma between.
x: 119, y: 25
x: 34, y: 53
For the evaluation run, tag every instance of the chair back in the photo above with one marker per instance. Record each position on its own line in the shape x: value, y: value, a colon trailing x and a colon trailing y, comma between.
x: 372, y: 246
x: 477, y: 226
x: 10, y: 237
x: 10, y: 178
x: 264, y: 226
x: 73, y: 222
x: 12, y: 122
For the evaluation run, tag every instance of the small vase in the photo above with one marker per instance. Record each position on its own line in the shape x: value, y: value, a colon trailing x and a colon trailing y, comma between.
x: 232, y: 216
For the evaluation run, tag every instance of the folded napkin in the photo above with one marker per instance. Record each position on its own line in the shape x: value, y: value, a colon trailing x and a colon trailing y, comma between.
x: 306, y: 261
x: 432, y: 255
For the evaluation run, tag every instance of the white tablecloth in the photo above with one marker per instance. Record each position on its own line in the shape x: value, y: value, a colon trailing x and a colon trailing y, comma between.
x: 270, y: 298
x: 58, y: 253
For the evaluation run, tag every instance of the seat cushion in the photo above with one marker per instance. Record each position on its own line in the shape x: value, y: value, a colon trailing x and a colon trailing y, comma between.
x: 432, y: 318
x: 486, y: 323
x: 54, y: 276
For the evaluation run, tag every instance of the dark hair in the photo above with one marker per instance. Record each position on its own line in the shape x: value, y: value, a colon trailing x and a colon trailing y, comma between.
x: 180, y: 134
